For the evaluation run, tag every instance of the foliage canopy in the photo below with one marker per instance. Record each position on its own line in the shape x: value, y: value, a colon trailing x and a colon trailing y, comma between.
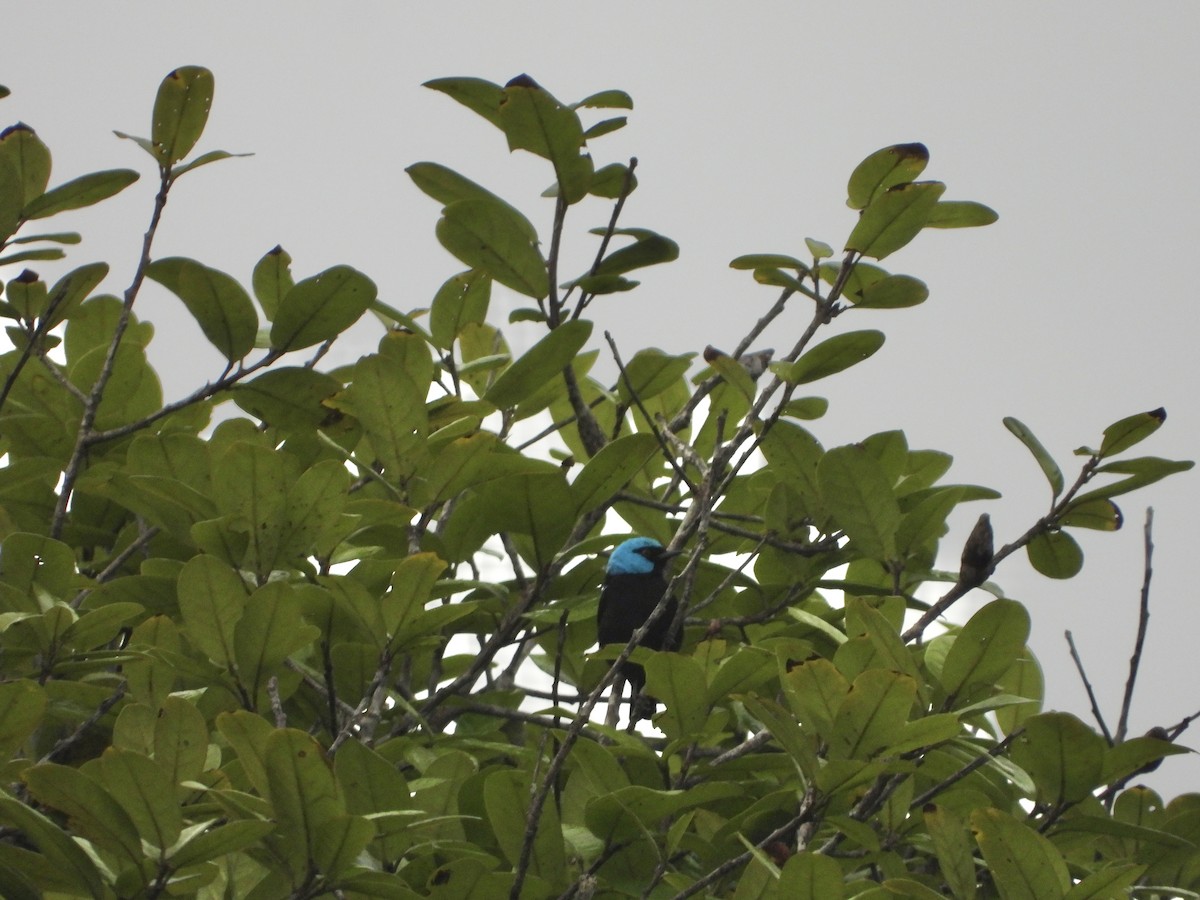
x: 314, y: 632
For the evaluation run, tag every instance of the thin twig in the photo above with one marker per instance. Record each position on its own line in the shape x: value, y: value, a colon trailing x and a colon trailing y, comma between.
x: 83, y: 437
x: 59, y: 749
x: 1135, y: 660
x: 1087, y: 686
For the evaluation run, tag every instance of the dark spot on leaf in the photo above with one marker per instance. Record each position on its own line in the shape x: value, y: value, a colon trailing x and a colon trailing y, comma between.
x: 1160, y: 414
x: 523, y: 81
x: 911, y: 151
x: 929, y: 808
x: 275, y: 251
x: 441, y: 876
x: 20, y: 126
x: 1118, y: 519
x: 711, y: 353
x: 27, y: 276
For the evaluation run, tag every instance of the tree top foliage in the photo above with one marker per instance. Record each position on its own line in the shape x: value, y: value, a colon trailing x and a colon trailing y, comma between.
x: 315, y: 631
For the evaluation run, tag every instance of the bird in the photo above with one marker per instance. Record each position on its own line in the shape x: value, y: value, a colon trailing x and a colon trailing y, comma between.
x: 634, y: 583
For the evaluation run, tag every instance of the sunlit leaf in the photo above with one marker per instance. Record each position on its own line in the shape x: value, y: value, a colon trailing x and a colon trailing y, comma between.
x: 894, y: 218
x: 961, y: 214
x: 1055, y: 554
x: 1122, y: 435
x: 1025, y: 865
x: 1100, y: 514
x: 883, y: 169
x: 487, y: 235
x: 80, y: 192
x: 861, y: 499
x: 479, y: 96
x: 1049, y: 467
x: 829, y: 357
x: 532, y: 119
x: 544, y: 360
x: 181, y: 112
x: 272, y: 279
x: 1063, y: 755
x: 647, y: 251
x: 219, y: 304
x: 321, y: 307
x: 986, y: 647
x: 768, y: 260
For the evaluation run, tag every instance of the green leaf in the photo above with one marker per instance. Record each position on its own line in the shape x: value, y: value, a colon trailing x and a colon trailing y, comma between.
x: 1129, y: 757
x: 543, y: 361
x: 872, y: 714
x: 22, y: 705
x: 1024, y: 865
x: 291, y: 398
x: 216, y: 842
x: 611, y: 469
x: 806, y: 408
x: 986, y: 647
x: 270, y: 630
x: 302, y: 789
x: 1049, y: 467
x: 382, y: 398
x: 819, y: 249
x: 883, y: 169
x: 651, y: 372
x: 1142, y: 471
x: 1113, y: 881
x: 94, y: 812
x: 610, y: 99
x: 1055, y: 554
x: 219, y: 304
x: 1099, y: 514
x: 1123, y: 434
x: 487, y: 235
x: 506, y: 794
x: 180, y: 739
x: 609, y: 181
x: 447, y: 186
x: 147, y: 794
x: 830, y: 357
x: 894, y: 218
x: 861, y: 499
x: 340, y: 841
x: 678, y: 681
x: 768, y: 261
x: 815, y: 690
x: 321, y: 307
x: 475, y: 94
x: 532, y: 119
x: 412, y: 584
x: 951, y: 844
x: 57, y: 846
x: 648, y: 250
x: 272, y: 279
x: 811, y: 876
x: 204, y: 159
x: 461, y: 300
x: 80, y: 192
x: 181, y: 112
x: 1064, y: 757
x: 532, y: 504
x: 893, y: 292
x: 961, y: 214
x: 29, y: 158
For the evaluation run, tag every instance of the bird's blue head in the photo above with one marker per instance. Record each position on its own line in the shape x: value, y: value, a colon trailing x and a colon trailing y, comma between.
x: 631, y: 557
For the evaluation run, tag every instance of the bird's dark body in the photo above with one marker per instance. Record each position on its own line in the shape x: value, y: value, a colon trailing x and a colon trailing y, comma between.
x: 628, y: 598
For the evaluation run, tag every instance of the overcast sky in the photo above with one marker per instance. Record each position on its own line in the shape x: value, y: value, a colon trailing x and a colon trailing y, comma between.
x: 1074, y: 121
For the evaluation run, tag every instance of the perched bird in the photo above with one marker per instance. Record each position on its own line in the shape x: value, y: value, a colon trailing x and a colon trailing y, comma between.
x: 633, y: 584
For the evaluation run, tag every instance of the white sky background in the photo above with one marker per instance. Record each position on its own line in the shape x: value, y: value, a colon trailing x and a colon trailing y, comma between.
x: 1074, y: 121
